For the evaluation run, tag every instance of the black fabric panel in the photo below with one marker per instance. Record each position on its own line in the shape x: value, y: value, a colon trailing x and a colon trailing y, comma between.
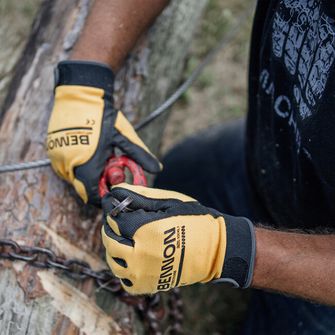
x: 139, y: 201
x: 239, y: 250
x: 89, y: 173
x: 149, y: 204
x: 84, y: 73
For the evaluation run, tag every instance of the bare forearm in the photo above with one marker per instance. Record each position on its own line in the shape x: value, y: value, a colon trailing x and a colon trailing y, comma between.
x: 112, y: 29
x: 297, y: 264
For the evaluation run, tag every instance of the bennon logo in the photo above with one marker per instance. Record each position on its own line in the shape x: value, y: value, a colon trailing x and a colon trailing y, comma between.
x: 167, y: 275
x: 174, y: 238
x: 66, y: 141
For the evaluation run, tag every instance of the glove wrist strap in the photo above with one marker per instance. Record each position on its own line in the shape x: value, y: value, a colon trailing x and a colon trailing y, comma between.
x: 84, y: 73
x: 240, y: 252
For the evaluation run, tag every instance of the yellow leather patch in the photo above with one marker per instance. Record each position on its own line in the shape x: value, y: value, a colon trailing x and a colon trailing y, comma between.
x: 74, y: 129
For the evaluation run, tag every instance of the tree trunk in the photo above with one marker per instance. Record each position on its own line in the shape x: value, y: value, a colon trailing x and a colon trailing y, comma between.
x: 39, y: 209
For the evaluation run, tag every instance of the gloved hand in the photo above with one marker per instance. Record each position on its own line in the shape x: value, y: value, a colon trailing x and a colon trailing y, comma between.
x: 84, y: 127
x: 170, y: 240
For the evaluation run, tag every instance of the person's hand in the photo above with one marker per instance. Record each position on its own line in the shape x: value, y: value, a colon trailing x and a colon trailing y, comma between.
x: 168, y: 239
x: 84, y: 127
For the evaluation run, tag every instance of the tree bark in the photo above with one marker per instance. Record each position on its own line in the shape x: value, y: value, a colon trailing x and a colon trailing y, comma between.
x: 37, y: 208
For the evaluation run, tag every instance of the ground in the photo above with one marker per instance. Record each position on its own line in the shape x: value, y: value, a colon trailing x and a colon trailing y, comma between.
x: 218, y: 95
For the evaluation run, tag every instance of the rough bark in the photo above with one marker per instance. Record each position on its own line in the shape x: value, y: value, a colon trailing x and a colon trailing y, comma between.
x: 37, y: 208
x: 16, y: 18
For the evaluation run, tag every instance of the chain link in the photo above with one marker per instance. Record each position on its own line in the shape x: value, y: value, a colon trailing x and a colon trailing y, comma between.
x: 150, y: 309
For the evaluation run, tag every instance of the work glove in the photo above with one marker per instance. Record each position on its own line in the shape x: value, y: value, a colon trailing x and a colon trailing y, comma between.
x: 84, y: 128
x: 166, y: 239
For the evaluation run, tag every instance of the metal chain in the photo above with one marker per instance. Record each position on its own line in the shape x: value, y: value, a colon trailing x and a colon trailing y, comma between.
x: 149, y: 308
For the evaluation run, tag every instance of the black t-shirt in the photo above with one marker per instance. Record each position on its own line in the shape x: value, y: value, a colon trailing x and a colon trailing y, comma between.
x: 291, y: 121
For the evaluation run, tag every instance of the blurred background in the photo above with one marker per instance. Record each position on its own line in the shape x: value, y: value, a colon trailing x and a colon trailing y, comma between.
x: 218, y: 96
x: 220, y: 92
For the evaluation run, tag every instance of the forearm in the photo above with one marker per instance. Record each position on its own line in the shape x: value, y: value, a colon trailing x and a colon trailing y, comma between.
x: 297, y: 264
x: 112, y: 29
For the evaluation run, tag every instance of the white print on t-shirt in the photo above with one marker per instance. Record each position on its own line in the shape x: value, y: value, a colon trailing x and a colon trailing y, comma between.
x: 282, y: 105
x: 304, y: 39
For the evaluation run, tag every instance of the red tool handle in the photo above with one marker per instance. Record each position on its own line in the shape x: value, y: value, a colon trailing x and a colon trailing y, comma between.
x: 114, y: 173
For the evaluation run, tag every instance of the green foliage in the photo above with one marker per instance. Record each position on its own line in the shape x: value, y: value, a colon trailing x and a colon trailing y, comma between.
x: 219, y: 16
x: 213, y: 26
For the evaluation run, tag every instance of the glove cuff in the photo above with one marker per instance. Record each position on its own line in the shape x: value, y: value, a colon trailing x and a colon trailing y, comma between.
x: 84, y: 73
x: 238, y: 265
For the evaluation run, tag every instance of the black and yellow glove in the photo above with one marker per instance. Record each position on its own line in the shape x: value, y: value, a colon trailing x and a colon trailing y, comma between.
x: 169, y: 239
x: 84, y: 127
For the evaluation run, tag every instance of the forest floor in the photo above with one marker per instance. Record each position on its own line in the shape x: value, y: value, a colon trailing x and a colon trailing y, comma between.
x: 219, y: 95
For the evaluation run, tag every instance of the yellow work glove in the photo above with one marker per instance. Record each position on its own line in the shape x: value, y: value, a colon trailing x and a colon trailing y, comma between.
x: 84, y: 128
x: 166, y: 239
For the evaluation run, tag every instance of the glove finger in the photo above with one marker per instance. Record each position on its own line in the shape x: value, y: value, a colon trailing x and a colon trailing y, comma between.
x: 127, y: 139
x: 120, y: 271
x: 124, y: 226
x: 116, y: 246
